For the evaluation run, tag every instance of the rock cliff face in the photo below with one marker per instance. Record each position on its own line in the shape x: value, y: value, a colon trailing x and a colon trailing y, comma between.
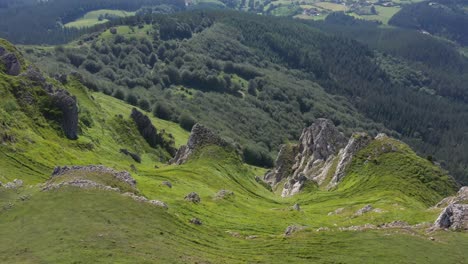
x: 455, y: 215
x: 322, y: 153
x: 199, y: 137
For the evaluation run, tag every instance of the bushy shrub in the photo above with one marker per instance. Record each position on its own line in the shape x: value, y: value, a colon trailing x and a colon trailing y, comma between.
x: 186, y: 121
x: 257, y: 157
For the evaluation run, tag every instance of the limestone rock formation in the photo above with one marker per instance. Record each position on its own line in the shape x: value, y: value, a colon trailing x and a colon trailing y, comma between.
x: 357, y: 142
x: 199, y: 137
x: 322, y: 156
x: 284, y: 163
x: 10, y: 62
x: 455, y: 215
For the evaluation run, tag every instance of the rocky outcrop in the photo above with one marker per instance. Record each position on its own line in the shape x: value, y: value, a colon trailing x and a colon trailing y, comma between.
x: 149, y: 132
x: 10, y: 61
x: 64, y: 101
x: 311, y: 159
x: 60, y: 98
x: 284, y: 163
x: 357, y: 142
x: 199, y: 137
x: 455, y: 215
x: 322, y: 156
x: 123, y: 176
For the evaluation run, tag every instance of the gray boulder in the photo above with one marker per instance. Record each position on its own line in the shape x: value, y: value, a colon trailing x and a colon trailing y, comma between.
x: 167, y: 183
x: 193, y: 197
x: 454, y: 216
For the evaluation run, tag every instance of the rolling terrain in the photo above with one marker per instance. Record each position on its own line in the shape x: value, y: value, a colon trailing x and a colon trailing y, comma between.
x: 43, y: 221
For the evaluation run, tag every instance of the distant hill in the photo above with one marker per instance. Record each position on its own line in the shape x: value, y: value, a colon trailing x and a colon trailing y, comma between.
x: 445, y: 18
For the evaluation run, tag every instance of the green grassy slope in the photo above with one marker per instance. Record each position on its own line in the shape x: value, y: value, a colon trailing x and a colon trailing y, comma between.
x: 71, y: 225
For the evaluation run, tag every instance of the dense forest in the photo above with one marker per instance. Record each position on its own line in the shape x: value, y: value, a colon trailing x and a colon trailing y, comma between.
x: 42, y: 22
x: 445, y: 18
x: 259, y: 80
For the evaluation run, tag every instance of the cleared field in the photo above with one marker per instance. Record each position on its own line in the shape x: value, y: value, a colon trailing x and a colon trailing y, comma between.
x: 92, y: 18
x: 331, y: 6
x: 384, y: 14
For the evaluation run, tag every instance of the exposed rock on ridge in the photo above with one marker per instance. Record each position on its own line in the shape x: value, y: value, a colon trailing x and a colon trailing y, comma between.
x: 199, y: 137
x: 322, y: 153
x: 123, y: 176
x: 455, y: 215
x: 357, y: 142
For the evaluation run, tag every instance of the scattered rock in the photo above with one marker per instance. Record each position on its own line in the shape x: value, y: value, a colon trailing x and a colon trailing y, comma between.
x: 224, y: 194
x: 364, y: 210
x: 158, y: 203
x: 167, y: 183
x: 293, y: 229
x: 134, y: 156
x: 337, y: 211
x: 196, y: 221
x: 395, y: 224
x: 192, y: 197
x: 15, y: 184
x: 296, y: 207
x: 143, y: 199
x: 321, y: 229
x: 199, y: 137
x: 358, y: 228
x: 251, y: 237
x: 120, y: 175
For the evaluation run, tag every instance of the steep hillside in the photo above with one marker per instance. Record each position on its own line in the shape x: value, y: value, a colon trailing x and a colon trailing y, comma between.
x: 211, y: 208
x: 225, y: 68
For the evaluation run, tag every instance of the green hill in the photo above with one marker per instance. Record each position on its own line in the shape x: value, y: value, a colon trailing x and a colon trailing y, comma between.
x: 80, y: 225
